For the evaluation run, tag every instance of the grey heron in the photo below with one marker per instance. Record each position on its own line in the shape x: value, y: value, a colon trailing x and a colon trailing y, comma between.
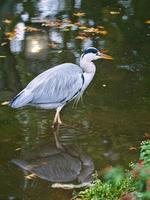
x: 57, y: 86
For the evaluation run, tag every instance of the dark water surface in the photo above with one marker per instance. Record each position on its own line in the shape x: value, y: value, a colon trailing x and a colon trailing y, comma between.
x: 115, y: 112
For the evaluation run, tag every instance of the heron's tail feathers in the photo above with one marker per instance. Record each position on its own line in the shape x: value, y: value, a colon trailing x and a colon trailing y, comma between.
x: 21, y: 99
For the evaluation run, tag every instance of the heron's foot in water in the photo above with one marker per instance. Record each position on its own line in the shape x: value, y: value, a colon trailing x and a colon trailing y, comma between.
x: 56, y: 124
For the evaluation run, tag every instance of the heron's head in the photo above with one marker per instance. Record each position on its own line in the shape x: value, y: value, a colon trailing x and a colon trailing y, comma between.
x: 92, y: 53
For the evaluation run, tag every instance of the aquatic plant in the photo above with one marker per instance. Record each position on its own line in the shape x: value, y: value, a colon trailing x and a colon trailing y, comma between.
x: 119, y: 184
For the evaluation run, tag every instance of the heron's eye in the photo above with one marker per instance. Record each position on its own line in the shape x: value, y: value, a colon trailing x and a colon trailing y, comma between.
x: 97, y: 54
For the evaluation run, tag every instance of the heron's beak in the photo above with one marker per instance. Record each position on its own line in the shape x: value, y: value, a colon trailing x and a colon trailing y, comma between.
x: 104, y: 56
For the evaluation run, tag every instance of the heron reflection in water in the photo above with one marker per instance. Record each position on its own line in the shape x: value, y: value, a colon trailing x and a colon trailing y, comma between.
x: 60, y: 164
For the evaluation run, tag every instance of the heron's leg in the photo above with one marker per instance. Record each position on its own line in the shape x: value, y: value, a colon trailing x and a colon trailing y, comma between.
x: 57, y: 119
x: 56, y: 136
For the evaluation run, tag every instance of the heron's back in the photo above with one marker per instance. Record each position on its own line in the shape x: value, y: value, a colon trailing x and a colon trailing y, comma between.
x: 51, y: 88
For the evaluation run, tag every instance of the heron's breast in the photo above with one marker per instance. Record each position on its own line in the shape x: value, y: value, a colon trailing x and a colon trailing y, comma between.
x: 87, y: 79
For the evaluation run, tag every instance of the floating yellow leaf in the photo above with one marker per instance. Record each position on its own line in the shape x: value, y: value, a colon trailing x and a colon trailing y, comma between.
x: 79, y: 14
x: 67, y: 20
x: 45, y: 24
x: 10, y: 35
x: 54, y: 23
x: 114, y: 12
x: 3, y: 44
x: 66, y: 29
x: 5, y: 102
x: 32, y: 29
x: 103, y: 32
x: 92, y: 30
x: 132, y: 148
x: 7, y: 21
x: 80, y: 37
x: 147, y: 21
x: 2, y: 57
x: 101, y: 27
x: 18, y: 149
x: 83, y: 27
x: 77, y: 24
x: 70, y: 25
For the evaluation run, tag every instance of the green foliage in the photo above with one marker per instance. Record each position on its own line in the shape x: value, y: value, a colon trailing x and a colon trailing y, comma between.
x: 115, y: 175
x: 141, y: 169
x: 142, y: 195
x: 145, y: 152
x: 117, y: 182
x: 114, y: 185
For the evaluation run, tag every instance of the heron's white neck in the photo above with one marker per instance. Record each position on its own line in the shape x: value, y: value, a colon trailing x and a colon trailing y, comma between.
x: 87, y: 65
x: 88, y: 71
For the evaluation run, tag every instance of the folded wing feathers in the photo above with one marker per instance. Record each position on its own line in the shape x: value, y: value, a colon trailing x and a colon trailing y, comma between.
x: 52, y: 86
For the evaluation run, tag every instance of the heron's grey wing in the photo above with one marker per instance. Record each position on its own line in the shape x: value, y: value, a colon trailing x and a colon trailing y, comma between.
x: 57, y: 85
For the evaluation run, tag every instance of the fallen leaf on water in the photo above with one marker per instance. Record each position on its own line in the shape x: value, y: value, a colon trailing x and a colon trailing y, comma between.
x: 104, y: 32
x: 32, y: 29
x: 83, y: 27
x: 77, y: 24
x: 80, y: 37
x: 3, y: 44
x: 66, y: 29
x: 92, y: 30
x: 147, y: 21
x: 114, y: 12
x: 10, y: 35
x: 30, y: 176
x: 101, y: 27
x: 18, y: 149
x: 96, y: 30
x: 132, y: 148
x: 67, y: 20
x: 52, y: 24
x: 70, y: 25
x: 45, y: 24
x: 2, y: 56
x: 5, y: 103
x: 147, y: 135
x: 7, y: 21
x: 79, y: 14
